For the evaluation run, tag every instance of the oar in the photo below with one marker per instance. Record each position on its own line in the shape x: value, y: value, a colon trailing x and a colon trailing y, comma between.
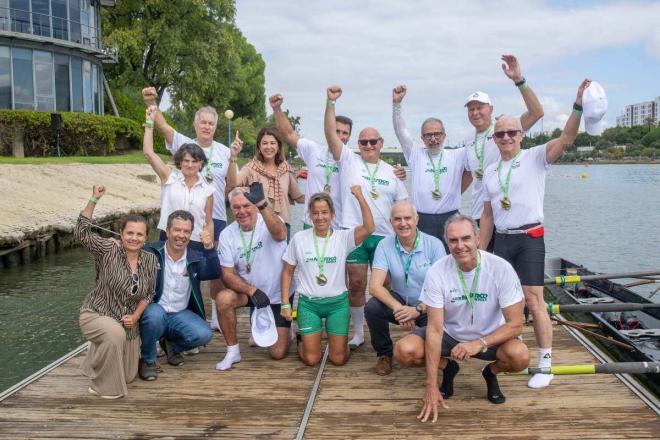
x: 562, y: 280
x: 554, y: 309
x: 596, y: 335
x: 609, y: 368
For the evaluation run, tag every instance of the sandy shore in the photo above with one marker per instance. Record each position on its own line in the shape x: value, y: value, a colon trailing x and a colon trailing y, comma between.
x: 37, y: 198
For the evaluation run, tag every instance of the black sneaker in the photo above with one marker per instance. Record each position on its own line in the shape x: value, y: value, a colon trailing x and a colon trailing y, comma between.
x: 147, y: 371
x: 448, y: 375
x: 174, y: 359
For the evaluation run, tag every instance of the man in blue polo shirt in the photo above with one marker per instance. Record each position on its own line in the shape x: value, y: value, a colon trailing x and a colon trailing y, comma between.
x: 405, y: 256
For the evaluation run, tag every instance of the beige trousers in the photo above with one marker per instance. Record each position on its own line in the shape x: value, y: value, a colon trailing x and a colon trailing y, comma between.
x: 112, y: 360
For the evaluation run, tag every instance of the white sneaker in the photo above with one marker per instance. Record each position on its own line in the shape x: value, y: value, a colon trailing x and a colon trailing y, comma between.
x: 228, y: 361
x: 356, y: 342
x: 540, y: 380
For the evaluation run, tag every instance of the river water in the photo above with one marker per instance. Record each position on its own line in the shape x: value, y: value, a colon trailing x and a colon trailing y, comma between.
x: 608, y: 221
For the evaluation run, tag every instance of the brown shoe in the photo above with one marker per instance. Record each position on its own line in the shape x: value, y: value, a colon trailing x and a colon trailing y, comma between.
x: 383, y: 366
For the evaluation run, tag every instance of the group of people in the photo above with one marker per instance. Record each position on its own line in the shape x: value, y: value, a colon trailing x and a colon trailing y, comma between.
x: 457, y: 282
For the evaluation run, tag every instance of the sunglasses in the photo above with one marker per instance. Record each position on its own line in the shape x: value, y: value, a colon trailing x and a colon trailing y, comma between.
x: 510, y: 133
x: 371, y: 142
x: 435, y: 134
x: 136, y: 282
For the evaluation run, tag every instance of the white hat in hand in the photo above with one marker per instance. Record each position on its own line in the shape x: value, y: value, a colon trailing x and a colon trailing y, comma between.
x: 264, y: 331
x: 594, y: 107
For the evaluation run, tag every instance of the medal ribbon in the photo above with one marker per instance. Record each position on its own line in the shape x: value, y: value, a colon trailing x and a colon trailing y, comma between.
x: 469, y: 296
x: 372, y: 176
x: 247, y: 251
x: 406, y: 265
x: 207, y: 168
x: 436, y: 170
x: 320, y: 258
x: 480, y: 152
x: 328, y: 168
x: 505, y: 185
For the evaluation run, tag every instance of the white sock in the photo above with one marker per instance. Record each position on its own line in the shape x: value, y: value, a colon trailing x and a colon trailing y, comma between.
x: 357, y: 316
x: 233, y: 356
x: 542, y: 380
x: 215, y: 325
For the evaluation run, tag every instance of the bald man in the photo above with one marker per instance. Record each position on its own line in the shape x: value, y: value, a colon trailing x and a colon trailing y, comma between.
x: 405, y: 257
x: 381, y: 189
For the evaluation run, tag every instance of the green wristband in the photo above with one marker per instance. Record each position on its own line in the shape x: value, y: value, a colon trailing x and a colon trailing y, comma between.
x: 285, y: 306
x: 149, y: 123
x: 331, y: 101
x: 523, y: 86
x: 93, y: 199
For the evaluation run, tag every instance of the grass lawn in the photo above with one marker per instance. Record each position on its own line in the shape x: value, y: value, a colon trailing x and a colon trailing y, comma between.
x: 131, y: 157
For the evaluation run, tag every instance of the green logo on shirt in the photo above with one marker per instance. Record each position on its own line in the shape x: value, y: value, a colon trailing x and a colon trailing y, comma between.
x: 442, y: 170
x: 327, y: 259
x: 378, y: 181
x: 257, y: 246
x: 334, y: 167
x: 216, y: 165
x: 479, y: 297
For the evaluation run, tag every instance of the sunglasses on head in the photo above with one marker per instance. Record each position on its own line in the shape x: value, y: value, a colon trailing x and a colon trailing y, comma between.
x: 371, y: 142
x: 510, y: 133
x: 136, y: 282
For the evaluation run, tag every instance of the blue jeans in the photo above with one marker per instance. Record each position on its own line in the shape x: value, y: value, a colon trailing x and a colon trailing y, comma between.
x: 185, y: 329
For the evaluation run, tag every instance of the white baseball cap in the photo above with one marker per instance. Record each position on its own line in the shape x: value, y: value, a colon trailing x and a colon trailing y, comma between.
x: 479, y: 97
x: 264, y: 331
x: 594, y: 107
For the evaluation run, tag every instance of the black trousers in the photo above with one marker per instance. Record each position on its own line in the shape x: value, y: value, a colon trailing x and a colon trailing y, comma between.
x: 434, y: 224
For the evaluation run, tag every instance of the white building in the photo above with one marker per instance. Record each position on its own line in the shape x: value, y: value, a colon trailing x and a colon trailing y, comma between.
x: 587, y: 149
x: 638, y: 114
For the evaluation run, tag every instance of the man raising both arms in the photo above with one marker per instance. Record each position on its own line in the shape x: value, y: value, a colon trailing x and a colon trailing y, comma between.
x: 381, y: 189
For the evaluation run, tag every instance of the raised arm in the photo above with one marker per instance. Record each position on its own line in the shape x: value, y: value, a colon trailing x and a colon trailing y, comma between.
x: 274, y: 223
x: 486, y: 226
x: 368, y: 226
x: 150, y: 97
x: 330, y: 124
x: 556, y: 147
x: 402, y: 134
x: 432, y: 352
x: 232, y: 170
x: 534, y: 112
x: 282, y: 123
x: 161, y: 169
x: 83, y: 230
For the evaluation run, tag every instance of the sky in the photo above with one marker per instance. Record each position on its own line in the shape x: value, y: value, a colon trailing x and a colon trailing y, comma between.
x: 445, y: 50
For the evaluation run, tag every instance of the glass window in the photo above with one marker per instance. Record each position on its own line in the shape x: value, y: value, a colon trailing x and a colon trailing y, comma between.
x: 41, y: 17
x: 4, y: 16
x: 5, y: 77
x: 20, y: 15
x: 74, y: 20
x: 87, y: 87
x: 62, y: 91
x: 60, y: 28
x: 85, y: 22
x: 23, y: 84
x: 44, y: 80
x: 95, y: 88
x: 76, y: 84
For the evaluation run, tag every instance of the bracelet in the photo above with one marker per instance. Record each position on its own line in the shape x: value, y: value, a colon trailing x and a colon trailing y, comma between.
x: 483, y: 341
x: 577, y: 107
x: 285, y: 306
x: 523, y: 86
x: 262, y: 207
x: 577, y: 112
x: 93, y: 199
x: 521, y: 82
x: 148, y: 123
x: 331, y: 101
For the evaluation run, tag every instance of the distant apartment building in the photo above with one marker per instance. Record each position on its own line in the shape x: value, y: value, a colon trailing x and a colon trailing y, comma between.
x: 639, y: 114
x: 51, y: 56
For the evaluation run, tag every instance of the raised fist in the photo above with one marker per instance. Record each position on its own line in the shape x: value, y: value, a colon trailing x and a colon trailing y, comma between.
x: 150, y: 96
x: 276, y: 100
x: 398, y: 93
x: 334, y: 92
x: 98, y: 191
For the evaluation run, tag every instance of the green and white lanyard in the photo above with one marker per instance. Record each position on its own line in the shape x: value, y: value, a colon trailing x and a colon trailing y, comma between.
x: 372, y: 178
x: 436, y: 174
x: 247, y: 250
x: 321, y: 280
x: 207, y: 168
x: 504, y: 185
x: 480, y: 152
x: 408, y: 262
x: 328, y: 171
x: 469, y: 296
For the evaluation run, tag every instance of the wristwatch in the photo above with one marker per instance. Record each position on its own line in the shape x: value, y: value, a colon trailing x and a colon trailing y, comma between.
x: 483, y: 341
x: 419, y: 308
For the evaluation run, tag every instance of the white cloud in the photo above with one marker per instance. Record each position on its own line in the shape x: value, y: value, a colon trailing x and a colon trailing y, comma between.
x: 442, y: 50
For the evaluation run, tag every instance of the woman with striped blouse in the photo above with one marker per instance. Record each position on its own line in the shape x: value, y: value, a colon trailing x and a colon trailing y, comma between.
x: 109, y: 316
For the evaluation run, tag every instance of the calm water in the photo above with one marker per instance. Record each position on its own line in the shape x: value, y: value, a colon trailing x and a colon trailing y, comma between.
x: 609, y: 222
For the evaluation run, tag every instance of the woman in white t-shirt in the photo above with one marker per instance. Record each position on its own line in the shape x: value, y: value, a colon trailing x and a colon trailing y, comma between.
x: 320, y: 254
x: 182, y: 188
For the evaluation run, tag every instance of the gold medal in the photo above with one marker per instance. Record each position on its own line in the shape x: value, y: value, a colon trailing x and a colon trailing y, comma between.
x: 321, y: 280
x: 374, y: 194
x: 479, y: 174
x: 437, y: 195
x: 208, y: 175
x: 505, y: 203
x: 326, y: 188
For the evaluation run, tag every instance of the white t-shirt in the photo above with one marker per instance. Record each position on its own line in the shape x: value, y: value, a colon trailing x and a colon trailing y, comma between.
x: 491, y: 155
x: 300, y: 253
x: 176, y: 284
x: 526, y: 188
x: 319, y: 160
x: 265, y: 259
x: 175, y: 195
x: 353, y: 171
x: 218, y: 156
x: 498, y: 287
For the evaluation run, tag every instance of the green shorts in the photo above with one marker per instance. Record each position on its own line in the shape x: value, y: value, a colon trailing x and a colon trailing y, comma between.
x: 364, y: 253
x: 335, y: 309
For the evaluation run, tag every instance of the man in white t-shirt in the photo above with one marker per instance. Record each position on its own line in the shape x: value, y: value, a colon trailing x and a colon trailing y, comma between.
x: 481, y: 149
x: 474, y: 304
x: 381, y: 189
x: 439, y: 175
x: 251, y: 252
x: 514, y: 188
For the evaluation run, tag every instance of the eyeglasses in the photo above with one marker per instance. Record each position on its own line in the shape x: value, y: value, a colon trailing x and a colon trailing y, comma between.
x: 371, y: 142
x: 510, y: 133
x: 435, y: 134
x: 136, y: 282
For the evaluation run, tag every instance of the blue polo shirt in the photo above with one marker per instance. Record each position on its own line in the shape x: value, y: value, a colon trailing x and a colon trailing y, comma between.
x: 428, y: 251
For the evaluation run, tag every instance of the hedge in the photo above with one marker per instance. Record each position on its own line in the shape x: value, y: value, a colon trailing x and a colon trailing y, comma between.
x: 82, y: 134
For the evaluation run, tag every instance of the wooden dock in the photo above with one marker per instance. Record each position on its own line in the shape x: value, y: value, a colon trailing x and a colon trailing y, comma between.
x: 262, y: 398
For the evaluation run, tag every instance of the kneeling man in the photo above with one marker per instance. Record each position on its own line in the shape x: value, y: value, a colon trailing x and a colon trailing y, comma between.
x: 474, y: 303
x: 176, y: 315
